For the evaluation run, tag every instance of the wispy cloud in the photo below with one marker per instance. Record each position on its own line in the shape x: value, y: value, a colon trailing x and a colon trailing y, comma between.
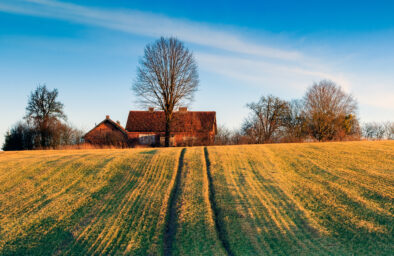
x: 146, y: 24
x: 153, y: 25
x: 288, y: 77
x: 240, y: 58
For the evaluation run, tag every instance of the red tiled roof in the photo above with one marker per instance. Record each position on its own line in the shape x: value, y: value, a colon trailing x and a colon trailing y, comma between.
x: 188, y: 121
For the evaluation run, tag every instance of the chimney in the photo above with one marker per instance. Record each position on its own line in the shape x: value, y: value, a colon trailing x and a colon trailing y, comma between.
x: 151, y: 109
x: 183, y: 109
x: 107, y: 117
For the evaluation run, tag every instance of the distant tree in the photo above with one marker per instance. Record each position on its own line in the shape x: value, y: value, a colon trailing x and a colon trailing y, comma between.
x: 329, y: 111
x: 64, y: 134
x: 167, y: 77
x: 389, y: 130
x: 378, y: 131
x: 44, y: 112
x: 71, y: 135
x: 223, y: 136
x: 295, y: 129
x: 238, y: 138
x: 368, y: 131
x: 268, y: 116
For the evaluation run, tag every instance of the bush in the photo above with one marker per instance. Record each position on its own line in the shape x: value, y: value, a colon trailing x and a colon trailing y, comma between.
x: 22, y: 136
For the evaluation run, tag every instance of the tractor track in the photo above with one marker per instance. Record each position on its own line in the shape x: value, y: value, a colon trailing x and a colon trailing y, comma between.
x: 219, y: 227
x: 171, y: 223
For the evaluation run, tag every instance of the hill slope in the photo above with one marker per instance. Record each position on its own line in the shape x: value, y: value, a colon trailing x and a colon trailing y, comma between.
x: 326, y: 198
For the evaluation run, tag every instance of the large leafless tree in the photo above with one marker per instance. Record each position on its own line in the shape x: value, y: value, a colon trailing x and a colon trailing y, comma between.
x: 329, y: 111
x: 167, y: 77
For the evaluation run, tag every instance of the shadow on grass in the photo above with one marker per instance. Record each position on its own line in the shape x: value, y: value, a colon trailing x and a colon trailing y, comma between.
x: 150, y: 152
x: 50, y: 236
x: 56, y: 239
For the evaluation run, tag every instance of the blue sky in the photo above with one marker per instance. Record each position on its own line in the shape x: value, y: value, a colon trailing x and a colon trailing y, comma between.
x: 89, y: 51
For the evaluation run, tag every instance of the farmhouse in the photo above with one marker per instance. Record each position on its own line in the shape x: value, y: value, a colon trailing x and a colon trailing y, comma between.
x: 188, y: 128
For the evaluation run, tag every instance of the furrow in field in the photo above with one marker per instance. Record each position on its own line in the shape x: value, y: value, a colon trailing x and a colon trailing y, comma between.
x: 355, y: 187
x: 100, y: 214
x: 123, y: 214
x: 42, y: 202
x: 335, y: 198
x: 278, y: 199
x: 143, y: 214
x: 233, y: 200
x: 195, y: 232
x: 111, y: 203
x: 26, y: 179
x: 368, y: 170
x: 110, y: 232
x: 298, y: 227
x: 220, y: 230
x: 262, y: 208
x: 57, y: 206
x: 171, y: 222
x: 267, y: 217
x: 158, y: 244
x: 132, y: 209
x: 346, y: 193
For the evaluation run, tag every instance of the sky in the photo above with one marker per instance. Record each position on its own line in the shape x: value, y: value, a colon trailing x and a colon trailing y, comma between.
x: 89, y: 50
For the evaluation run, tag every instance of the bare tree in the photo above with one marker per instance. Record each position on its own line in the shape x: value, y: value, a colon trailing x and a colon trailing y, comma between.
x: 328, y: 110
x: 268, y: 116
x: 378, y: 131
x: 295, y: 122
x: 389, y: 130
x: 223, y: 136
x: 44, y: 111
x: 166, y: 78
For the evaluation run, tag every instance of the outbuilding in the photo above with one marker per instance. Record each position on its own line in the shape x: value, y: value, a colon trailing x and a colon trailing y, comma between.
x: 188, y: 128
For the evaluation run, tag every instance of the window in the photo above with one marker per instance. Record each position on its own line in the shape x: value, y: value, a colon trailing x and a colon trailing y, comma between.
x: 147, y: 139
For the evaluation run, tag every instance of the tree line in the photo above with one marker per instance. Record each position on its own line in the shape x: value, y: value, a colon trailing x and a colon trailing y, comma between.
x: 44, y: 125
x: 378, y: 131
x: 167, y: 78
x: 325, y: 113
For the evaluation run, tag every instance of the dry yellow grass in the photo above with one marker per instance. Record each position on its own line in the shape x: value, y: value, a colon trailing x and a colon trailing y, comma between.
x: 283, y: 199
x: 195, y: 228
x: 326, y: 198
x: 84, y: 202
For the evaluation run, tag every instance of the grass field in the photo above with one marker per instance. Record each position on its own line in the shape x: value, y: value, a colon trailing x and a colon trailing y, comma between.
x: 279, y: 199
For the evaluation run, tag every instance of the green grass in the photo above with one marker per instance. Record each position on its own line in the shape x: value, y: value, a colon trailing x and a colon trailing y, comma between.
x: 283, y: 199
x: 195, y: 229
x: 329, y: 198
x: 84, y: 202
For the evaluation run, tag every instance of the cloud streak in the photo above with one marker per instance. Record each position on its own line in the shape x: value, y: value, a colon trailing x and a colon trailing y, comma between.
x: 239, y: 57
x: 146, y: 24
x: 153, y: 25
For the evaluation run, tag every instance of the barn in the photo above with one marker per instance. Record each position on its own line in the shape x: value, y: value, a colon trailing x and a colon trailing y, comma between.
x: 189, y: 128
x: 107, y: 132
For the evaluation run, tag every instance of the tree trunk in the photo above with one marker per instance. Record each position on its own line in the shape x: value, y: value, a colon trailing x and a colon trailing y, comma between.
x: 43, y: 134
x: 167, y: 132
